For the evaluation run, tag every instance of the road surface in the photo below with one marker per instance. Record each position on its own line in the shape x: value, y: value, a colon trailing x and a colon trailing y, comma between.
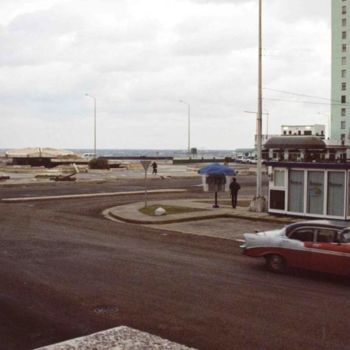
x: 65, y: 271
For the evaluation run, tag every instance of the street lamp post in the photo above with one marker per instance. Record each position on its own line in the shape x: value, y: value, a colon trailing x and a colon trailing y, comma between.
x: 188, y: 125
x: 94, y: 98
x: 259, y: 203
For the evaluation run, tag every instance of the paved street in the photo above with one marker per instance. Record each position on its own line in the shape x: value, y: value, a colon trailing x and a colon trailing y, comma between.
x: 65, y: 271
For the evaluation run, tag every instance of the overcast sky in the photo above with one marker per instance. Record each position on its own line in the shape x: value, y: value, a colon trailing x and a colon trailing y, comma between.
x: 140, y: 57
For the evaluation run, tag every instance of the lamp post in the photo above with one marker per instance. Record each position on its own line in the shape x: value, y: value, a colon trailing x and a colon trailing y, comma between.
x: 259, y: 203
x: 189, y: 125
x: 94, y: 98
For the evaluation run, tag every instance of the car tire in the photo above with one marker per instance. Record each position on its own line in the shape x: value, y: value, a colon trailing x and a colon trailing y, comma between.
x: 275, y: 263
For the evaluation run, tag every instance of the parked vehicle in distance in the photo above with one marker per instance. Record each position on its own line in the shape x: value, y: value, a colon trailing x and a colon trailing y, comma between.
x: 319, y: 245
x: 245, y: 160
x: 89, y: 155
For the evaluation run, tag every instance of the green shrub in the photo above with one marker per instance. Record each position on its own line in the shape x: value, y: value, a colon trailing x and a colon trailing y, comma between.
x: 98, y: 163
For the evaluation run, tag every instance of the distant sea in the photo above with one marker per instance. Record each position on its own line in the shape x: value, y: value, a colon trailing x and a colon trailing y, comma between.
x: 175, y: 153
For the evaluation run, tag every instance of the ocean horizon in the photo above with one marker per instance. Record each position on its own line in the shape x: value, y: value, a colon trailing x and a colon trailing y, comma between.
x: 175, y: 153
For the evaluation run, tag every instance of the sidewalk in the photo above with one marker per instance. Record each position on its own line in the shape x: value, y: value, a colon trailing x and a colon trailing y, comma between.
x: 131, y: 213
x: 117, y: 338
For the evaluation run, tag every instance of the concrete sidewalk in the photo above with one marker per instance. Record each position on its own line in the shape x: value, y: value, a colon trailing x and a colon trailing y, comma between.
x: 118, y: 338
x: 204, y: 210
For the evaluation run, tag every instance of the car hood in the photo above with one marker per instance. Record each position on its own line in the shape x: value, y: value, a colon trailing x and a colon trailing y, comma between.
x: 269, y: 234
x: 255, y: 239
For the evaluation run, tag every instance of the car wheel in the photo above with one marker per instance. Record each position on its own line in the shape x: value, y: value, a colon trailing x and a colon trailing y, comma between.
x: 275, y: 263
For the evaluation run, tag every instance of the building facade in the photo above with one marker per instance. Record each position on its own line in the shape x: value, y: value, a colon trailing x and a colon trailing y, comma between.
x: 340, y: 110
x: 307, y: 177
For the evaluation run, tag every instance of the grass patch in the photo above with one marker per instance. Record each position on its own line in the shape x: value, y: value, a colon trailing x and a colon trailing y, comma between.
x: 170, y: 209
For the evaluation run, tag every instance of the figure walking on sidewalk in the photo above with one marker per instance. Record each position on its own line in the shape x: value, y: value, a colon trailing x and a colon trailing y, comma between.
x: 155, y: 168
x: 234, y: 188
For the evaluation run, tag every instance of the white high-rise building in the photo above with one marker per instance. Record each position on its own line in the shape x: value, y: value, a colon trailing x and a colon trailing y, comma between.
x: 340, y: 111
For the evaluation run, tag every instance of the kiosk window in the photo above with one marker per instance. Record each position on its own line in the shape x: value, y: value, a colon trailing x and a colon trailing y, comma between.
x: 279, y: 178
x: 277, y: 199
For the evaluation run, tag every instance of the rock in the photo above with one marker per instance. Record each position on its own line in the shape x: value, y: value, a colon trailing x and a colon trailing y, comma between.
x: 160, y: 211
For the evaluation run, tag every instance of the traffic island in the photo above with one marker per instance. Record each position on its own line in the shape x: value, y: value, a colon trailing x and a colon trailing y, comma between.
x: 192, y: 210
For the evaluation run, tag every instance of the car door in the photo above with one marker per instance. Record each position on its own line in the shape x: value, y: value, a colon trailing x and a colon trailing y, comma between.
x: 297, y: 247
x: 326, y: 253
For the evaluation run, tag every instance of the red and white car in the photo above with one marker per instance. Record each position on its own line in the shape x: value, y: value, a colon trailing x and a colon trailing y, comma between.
x: 320, y: 245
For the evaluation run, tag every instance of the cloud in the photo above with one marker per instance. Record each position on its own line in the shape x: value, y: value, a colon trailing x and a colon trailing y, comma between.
x: 140, y: 57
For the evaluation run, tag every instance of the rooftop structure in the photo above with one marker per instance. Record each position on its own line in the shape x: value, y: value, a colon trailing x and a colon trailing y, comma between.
x: 304, y: 130
x: 303, y: 149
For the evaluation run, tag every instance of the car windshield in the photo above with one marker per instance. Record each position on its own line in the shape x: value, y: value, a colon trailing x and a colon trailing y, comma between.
x: 283, y: 231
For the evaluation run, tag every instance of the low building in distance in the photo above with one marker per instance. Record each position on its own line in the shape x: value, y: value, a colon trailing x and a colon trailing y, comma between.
x: 37, y: 156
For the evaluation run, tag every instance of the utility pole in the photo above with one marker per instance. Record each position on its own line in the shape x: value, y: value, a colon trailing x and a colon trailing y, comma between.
x: 259, y: 203
x: 94, y: 98
x: 188, y: 126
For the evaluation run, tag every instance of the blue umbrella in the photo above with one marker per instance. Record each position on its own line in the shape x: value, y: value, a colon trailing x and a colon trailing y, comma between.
x: 217, y: 169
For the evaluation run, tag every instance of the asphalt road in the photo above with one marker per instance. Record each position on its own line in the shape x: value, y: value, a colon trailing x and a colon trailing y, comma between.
x: 65, y: 271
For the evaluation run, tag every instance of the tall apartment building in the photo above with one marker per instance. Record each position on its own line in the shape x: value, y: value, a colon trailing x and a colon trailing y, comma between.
x: 340, y: 111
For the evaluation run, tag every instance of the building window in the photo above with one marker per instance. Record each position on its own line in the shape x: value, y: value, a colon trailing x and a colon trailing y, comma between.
x: 296, y: 191
x: 343, y: 99
x: 343, y: 86
x: 342, y: 124
x: 343, y: 61
x: 278, y: 178
x: 343, y: 22
x: 335, y: 202
x: 315, y: 195
x: 277, y: 199
x: 343, y: 48
x: 343, y: 10
x: 343, y: 112
x: 343, y: 73
x: 343, y: 35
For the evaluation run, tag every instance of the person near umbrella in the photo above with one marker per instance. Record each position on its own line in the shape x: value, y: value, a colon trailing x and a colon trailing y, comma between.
x: 216, y: 178
x: 234, y: 188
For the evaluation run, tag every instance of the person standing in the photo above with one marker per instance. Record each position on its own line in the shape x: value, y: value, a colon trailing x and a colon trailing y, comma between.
x: 155, y: 168
x: 234, y: 188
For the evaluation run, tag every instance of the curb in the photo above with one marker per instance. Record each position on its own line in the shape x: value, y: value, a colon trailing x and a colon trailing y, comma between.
x: 90, y: 195
x: 196, y: 218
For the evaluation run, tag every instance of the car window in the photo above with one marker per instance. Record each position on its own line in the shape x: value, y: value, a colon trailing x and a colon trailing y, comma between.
x: 346, y: 237
x: 326, y: 236
x: 303, y: 234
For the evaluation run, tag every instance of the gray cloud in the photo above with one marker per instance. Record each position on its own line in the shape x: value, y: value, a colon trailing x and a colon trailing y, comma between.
x: 140, y: 57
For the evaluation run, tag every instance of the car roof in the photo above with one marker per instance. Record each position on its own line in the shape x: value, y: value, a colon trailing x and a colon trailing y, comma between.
x: 338, y: 224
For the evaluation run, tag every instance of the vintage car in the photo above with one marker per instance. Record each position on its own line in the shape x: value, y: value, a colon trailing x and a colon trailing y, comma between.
x: 320, y: 245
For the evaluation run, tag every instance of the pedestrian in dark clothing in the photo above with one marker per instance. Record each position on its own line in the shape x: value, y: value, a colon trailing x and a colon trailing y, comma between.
x: 234, y: 188
x: 155, y: 168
